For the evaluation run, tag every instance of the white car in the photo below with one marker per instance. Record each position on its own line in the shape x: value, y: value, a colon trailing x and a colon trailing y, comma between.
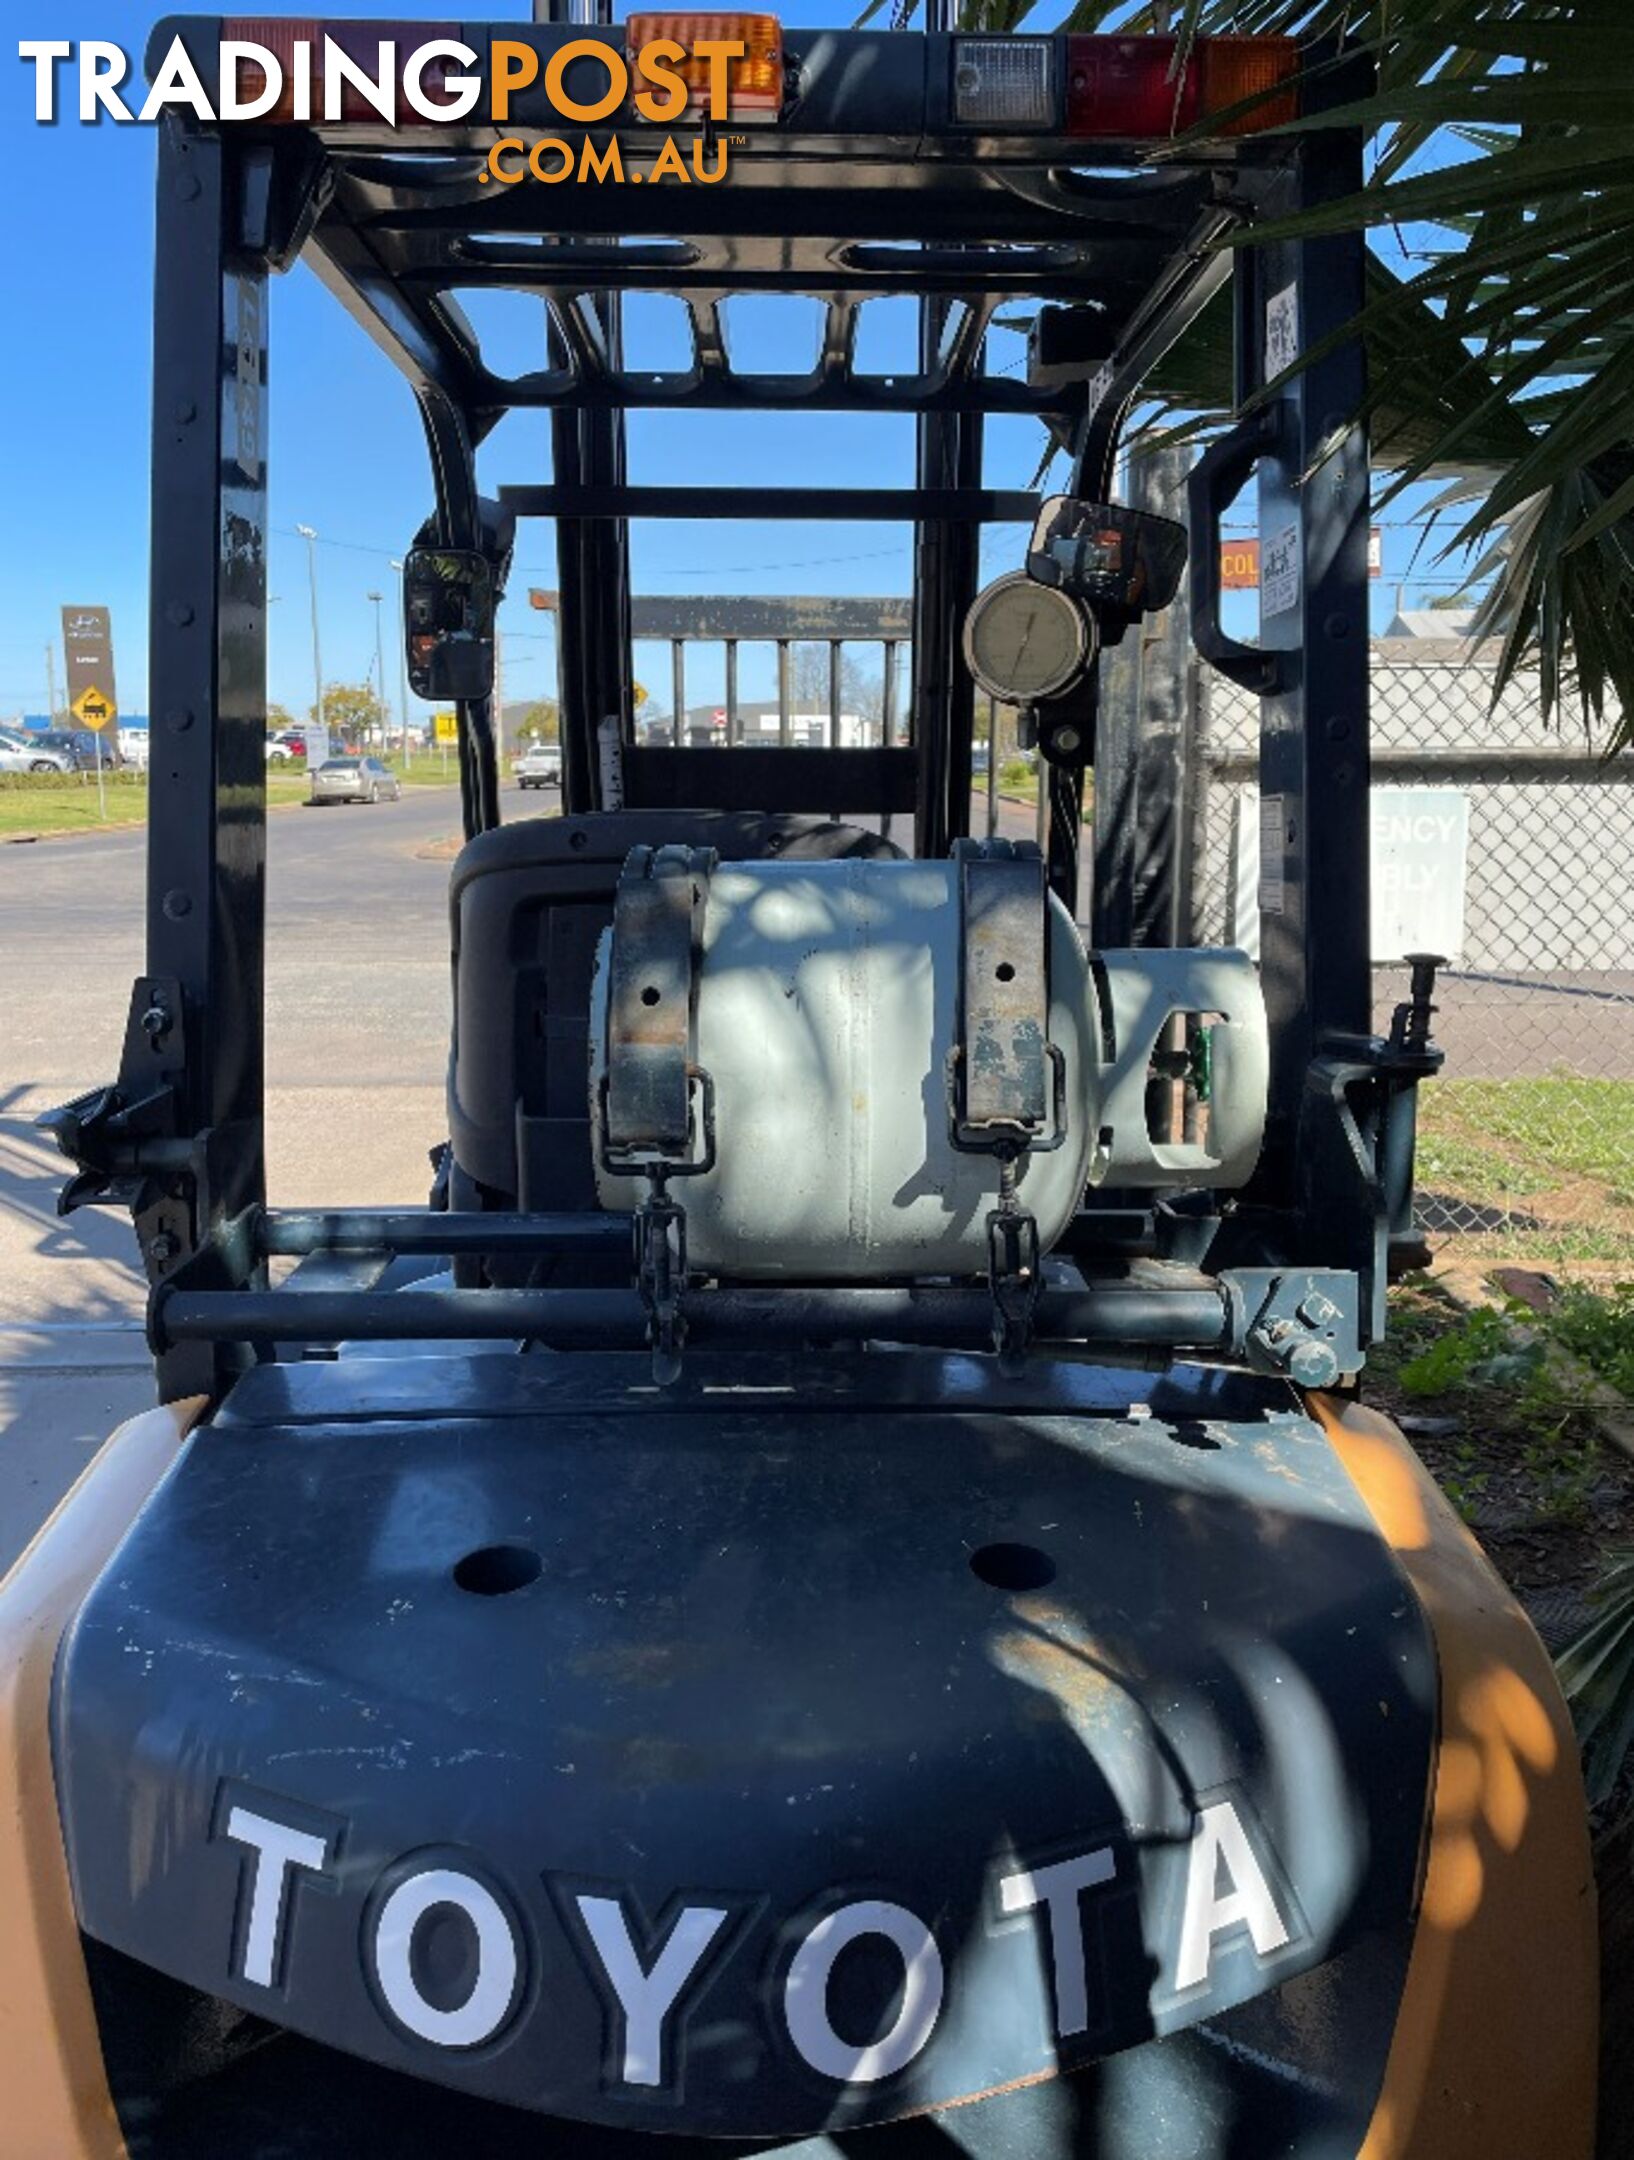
x: 539, y: 765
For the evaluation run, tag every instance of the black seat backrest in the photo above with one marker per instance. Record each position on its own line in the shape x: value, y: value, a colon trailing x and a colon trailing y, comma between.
x: 529, y: 902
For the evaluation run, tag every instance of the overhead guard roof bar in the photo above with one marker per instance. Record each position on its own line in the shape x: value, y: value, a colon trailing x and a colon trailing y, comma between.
x: 962, y: 506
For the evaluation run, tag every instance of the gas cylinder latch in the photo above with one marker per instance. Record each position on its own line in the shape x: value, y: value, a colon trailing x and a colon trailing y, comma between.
x: 657, y: 1103
x: 1007, y: 1092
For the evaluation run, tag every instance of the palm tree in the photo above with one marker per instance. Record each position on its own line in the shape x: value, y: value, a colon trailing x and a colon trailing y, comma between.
x: 1503, y: 356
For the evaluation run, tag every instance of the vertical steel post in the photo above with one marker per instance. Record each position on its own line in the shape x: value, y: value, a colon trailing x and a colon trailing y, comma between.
x: 946, y: 566
x: 588, y: 449
x: 1139, y: 730
x: 887, y: 727
x: 678, y: 690
x: 402, y: 660
x: 207, y: 697
x: 734, y: 730
x: 836, y: 673
x: 1313, y: 514
x: 784, y: 731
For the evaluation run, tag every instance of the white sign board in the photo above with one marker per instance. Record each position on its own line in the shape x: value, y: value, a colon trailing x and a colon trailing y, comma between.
x: 1420, y: 861
x: 1279, y: 572
x: 1281, y: 331
x: 317, y: 744
x: 1418, y: 867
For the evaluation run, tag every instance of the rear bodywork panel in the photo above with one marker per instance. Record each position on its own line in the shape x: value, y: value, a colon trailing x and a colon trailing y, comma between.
x: 758, y: 1674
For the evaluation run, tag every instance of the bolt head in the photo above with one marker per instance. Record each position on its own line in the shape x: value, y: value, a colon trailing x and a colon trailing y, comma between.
x: 1313, y: 1365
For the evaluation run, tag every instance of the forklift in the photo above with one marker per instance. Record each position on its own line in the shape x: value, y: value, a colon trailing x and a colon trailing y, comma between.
x: 834, y: 1592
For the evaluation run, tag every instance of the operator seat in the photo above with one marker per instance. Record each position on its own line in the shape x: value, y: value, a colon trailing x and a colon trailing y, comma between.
x: 528, y: 903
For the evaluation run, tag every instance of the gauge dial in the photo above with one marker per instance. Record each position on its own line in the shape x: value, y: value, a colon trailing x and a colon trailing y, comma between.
x: 1025, y: 641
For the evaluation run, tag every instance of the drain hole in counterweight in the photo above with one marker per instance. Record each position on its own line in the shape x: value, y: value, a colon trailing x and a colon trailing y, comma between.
x: 1012, y: 1567
x: 496, y: 1570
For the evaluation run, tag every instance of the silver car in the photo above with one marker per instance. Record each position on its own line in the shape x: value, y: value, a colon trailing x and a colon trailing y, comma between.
x: 354, y: 779
x: 19, y: 754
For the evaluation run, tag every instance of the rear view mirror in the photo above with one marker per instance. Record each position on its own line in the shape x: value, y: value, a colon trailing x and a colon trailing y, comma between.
x: 1120, y: 561
x: 448, y: 606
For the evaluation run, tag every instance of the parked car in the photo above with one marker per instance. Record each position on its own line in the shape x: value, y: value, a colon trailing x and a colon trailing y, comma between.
x: 83, y: 747
x: 354, y: 779
x: 134, y: 747
x: 22, y: 752
x: 539, y: 765
x: 285, y: 745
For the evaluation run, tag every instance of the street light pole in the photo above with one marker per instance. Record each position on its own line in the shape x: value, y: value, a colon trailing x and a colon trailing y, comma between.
x: 402, y: 656
x: 308, y: 534
x: 380, y: 674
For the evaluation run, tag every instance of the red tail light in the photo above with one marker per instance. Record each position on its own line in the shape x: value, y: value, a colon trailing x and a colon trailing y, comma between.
x: 1124, y: 88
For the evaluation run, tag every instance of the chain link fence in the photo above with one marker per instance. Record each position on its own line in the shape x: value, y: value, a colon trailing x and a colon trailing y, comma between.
x: 1510, y: 847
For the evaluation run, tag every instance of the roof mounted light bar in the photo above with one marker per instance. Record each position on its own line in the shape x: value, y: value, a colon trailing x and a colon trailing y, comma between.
x: 1124, y: 89
x: 730, y: 65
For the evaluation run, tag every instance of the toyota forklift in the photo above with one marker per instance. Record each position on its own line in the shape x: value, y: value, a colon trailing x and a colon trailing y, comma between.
x: 834, y: 1591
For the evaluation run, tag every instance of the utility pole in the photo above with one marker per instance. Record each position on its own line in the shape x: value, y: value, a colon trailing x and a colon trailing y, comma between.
x: 499, y: 694
x: 50, y: 686
x: 309, y: 536
x: 380, y: 673
x: 402, y: 656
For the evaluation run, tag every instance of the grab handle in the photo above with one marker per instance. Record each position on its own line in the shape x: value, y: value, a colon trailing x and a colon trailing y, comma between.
x: 1210, y: 487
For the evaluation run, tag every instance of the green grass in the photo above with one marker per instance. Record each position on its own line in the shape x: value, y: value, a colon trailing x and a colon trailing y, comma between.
x: 1565, y: 1125
x: 1556, y: 1154
x: 67, y: 802
x: 44, y: 803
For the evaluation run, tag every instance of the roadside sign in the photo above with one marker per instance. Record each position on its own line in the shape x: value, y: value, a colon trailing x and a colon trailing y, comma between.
x: 317, y: 744
x: 445, y: 727
x: 87, y: 644
x: 1240, y: 563
x: 94, y: 709
x: 1420, y: 865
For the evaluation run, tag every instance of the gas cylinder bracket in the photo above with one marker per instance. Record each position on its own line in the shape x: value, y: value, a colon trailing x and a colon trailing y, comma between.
x: 1006, y: 1080
x: 649, y: 1127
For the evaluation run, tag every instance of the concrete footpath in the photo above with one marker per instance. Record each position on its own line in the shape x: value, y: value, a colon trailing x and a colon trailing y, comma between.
x: 357, y: 1044
x: 62, y: 1391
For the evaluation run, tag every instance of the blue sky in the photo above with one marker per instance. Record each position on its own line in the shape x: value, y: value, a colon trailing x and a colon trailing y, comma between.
x: 346, y: 452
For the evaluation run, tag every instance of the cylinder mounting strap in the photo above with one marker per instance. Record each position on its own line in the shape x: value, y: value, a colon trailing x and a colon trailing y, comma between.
x: 658, y: 915
x: 1004, y: 1096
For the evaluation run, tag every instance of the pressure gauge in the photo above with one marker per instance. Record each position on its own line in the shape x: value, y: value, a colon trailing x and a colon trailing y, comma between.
x: 1025, y: 642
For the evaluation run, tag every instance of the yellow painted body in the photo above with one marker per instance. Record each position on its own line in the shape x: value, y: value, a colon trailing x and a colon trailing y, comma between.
x: 1496, y: 2040
x: 1495, y: 2054
x: 54, y: 2101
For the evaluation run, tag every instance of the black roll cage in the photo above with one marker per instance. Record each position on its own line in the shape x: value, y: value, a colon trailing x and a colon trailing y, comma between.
x: 868, y: 186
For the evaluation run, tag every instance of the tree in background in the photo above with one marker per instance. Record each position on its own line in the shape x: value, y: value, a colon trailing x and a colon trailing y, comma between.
x: 539, y: 722
x: 1500, y: 331
x: 861, y: 692
x: 352, y: 710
